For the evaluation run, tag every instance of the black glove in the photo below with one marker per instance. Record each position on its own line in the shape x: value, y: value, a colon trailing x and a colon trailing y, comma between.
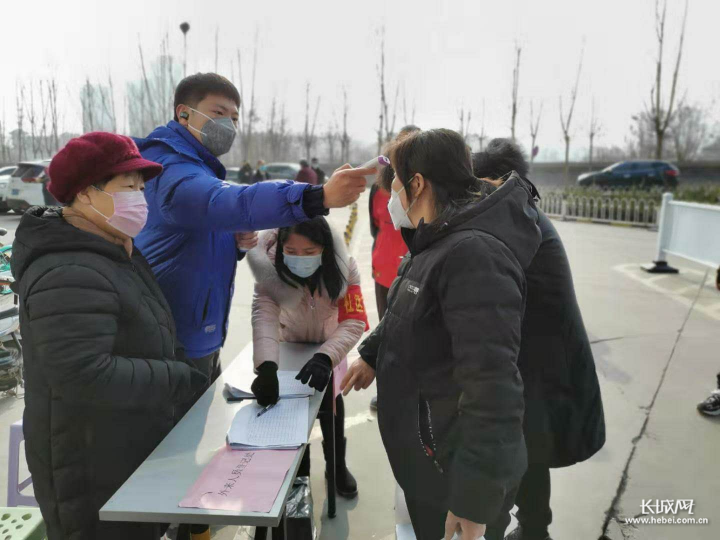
x: 316, y: 371
x: 265, y: 386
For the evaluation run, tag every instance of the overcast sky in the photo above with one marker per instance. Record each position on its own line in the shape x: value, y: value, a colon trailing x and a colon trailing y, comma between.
x: 447, y: 53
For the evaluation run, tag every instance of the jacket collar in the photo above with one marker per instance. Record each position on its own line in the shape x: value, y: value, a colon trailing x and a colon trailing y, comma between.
x: 507, y: 213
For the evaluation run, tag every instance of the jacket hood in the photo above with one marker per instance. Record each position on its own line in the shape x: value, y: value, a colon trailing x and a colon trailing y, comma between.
x: 508, y: 213
x: 43, y: 231
x: 179, y: 139
x: 262, y: 264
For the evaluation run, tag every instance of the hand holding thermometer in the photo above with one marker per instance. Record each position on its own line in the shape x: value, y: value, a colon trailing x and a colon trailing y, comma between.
x: 377, y: 163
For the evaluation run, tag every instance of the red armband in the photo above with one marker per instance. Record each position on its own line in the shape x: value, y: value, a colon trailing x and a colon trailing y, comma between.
x: 352, y: 306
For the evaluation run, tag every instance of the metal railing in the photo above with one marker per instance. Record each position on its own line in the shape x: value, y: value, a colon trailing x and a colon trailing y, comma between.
x: 633, y: 212
x: 687, y: 230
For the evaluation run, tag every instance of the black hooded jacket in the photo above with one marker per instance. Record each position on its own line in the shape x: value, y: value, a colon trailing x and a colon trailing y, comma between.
x: 450, y: 397
x: 564, y: 419
x: 101, y: 373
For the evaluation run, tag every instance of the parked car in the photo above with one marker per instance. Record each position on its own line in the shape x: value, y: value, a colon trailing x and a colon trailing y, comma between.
x: 5, y: 173
x: 282, y: 171
x: 633, y: 174
x: 233, y: 175
x: 28, y: 186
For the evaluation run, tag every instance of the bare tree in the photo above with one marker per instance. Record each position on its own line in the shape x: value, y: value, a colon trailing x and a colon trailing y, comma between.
x: 689, y: 132
x: 54, y: 116
x: 464, y: 116
x: 481, y: 136
x: 33, y: 120
x: 407, y: 119
x: 148, y: 101
x: 388, y: 115
x: 309, y: 137
x: 249, y: 113
x: 4, y: 150
x: 534, y: 129
x: 383, y: 108
x: 594, y: 131
x: 107, y: 102
x: 345, y: 138
x: 277, y: 132
x: 20, y: 107
x: 515, y: 88
x: 640, y: 144
x: 660, y: 112
x: 332, y: 137
x: 566, y: 121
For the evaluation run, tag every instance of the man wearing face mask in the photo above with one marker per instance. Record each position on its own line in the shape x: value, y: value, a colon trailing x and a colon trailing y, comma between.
x: 199, y: 226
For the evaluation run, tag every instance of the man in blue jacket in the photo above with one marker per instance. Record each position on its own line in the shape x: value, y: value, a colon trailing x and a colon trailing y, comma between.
x: 194, y: 235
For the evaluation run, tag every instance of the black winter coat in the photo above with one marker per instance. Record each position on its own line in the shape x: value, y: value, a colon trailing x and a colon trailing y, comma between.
x: 100, y: 369
x: 450, y: 396
x: 564, y: 420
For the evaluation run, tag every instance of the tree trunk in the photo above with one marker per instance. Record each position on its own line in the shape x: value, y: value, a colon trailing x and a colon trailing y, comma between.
x: 567, y: 160
x: 660, y: 143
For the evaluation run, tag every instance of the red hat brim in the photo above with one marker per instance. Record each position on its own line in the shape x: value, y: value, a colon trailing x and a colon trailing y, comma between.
x: 149, y: 169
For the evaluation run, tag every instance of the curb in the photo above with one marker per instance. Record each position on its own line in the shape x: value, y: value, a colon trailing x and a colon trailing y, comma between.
x: 350, y: 227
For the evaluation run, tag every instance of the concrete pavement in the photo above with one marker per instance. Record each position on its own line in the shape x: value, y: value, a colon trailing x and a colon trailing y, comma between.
x: 656, y: 346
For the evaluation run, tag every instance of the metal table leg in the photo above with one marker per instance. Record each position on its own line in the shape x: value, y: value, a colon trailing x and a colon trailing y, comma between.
x: 327, y: 411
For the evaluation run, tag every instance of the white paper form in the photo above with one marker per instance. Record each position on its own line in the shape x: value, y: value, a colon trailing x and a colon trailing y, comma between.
x: 283, y: 426
x: 289, y: 387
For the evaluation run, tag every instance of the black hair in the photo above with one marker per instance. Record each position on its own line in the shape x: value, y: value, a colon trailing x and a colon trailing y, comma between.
x: 443, y: 158
x: 318, y: 231
x: 385, y: 178
x: 303, y: 163
x: 410, y: 128
x: 193, y: 89
x: 501, y: 157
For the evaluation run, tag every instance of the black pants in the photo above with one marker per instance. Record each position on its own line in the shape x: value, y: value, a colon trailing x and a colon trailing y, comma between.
x: 381, y: 294
x: 428, y: 521
x: 533, y: 501
x: 304, y: 469
x: 210, y: 366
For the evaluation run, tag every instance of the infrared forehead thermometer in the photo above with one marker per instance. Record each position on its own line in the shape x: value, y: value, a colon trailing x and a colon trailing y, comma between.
x: 377, y: 163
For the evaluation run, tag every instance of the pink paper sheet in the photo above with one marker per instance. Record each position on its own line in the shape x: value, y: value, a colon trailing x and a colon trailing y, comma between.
x: 240, y: 481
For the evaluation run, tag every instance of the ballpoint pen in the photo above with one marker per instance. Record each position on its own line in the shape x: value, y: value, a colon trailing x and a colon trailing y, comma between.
x: 266, y: 409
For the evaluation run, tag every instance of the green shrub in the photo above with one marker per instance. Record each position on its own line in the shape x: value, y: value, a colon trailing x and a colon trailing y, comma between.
x: 699, y: 193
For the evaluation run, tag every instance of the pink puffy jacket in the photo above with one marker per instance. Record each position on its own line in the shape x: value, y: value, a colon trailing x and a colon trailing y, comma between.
x: 281, y: 312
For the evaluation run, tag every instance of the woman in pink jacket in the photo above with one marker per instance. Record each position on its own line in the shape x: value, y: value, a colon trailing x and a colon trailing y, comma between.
x: 307, y: 290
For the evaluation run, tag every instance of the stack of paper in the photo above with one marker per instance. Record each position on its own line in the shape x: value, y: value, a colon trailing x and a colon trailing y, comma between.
x: 284, y: 426
x: 289, y: 387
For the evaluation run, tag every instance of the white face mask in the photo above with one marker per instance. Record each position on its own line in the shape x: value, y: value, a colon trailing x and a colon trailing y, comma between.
x: 398, y: 214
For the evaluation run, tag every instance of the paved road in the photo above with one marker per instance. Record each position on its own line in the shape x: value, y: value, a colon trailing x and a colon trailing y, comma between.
x: 655, y: 341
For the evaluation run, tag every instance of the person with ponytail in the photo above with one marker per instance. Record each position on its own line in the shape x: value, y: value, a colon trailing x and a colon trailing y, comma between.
x: 307, y: 290
x: 450, y: 396
x: 564, y: 421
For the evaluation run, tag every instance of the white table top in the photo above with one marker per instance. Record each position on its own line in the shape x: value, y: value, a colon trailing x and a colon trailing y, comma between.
x: 154, y: 490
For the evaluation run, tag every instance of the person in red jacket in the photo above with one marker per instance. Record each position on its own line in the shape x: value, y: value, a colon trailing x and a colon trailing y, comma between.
x: 306, y: 174
x: 388, y: 245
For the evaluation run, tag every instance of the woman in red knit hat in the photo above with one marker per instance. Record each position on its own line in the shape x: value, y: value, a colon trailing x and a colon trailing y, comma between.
x: 103, y: 378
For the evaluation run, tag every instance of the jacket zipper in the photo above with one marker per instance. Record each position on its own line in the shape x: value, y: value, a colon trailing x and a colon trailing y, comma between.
x: 428, y: 448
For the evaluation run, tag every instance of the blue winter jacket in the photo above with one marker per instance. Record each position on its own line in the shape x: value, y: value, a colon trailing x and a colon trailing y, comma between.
x: 189, y: 237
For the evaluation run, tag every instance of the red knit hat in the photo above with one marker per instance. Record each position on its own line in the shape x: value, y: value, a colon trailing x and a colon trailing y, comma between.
x: 92, y: 158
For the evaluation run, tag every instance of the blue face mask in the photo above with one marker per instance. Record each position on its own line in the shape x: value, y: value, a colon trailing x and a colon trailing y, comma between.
x: 303, y: 266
